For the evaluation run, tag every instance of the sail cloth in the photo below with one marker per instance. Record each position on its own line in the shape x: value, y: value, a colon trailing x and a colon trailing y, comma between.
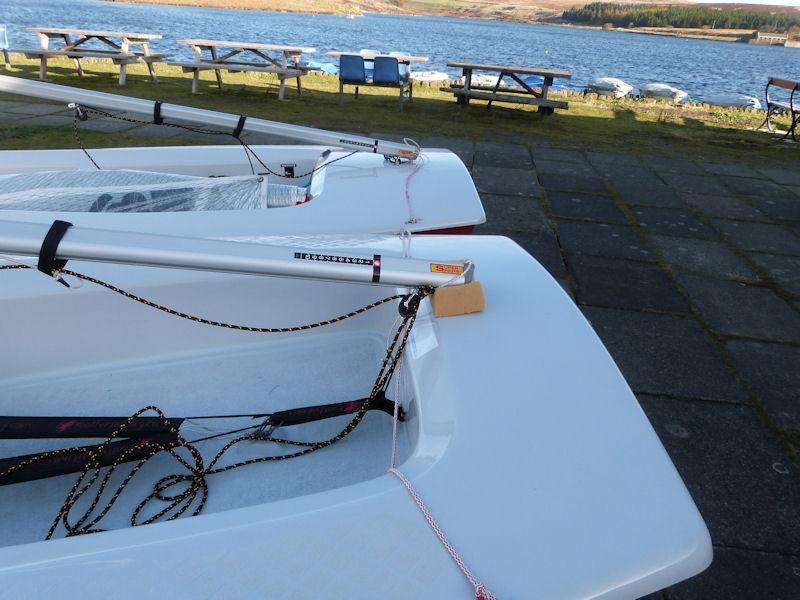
x: 142, y: 191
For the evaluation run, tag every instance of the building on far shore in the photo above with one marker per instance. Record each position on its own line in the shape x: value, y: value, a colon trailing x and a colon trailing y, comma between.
x: 770, y: 39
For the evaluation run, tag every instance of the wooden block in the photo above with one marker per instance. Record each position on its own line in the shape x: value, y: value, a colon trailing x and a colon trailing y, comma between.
x: 456, y: 300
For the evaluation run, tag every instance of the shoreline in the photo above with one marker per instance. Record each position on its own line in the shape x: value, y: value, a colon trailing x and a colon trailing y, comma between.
x: 728, y: 35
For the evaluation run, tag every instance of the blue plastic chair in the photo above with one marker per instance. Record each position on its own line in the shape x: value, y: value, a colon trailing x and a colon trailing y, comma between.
x: 351, y: 72
x: 387, y: 70
x: 351, y: 69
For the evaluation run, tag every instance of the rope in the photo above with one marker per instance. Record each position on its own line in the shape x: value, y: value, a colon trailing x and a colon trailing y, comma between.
x: 83, y: 112
x: 204, y: 321
x: 195, y: 490
x: 412, y: 218
x: 481, y: 593
x: 195, y: 487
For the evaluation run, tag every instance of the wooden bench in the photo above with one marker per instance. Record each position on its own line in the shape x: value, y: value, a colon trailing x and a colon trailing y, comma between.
x: 115, y: 56
x: 236, y: 67
x: 776, y: 106
x: 520, y: 93
x: 493, y: 96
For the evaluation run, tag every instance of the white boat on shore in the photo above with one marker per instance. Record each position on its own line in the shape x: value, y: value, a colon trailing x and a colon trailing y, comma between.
x: 430, y: 76
x: 609, y: 86
x: 257, y: 190
x: 520, y: 436
x: 663, y: 91
x: 194, y: 398
x: 733, y: 101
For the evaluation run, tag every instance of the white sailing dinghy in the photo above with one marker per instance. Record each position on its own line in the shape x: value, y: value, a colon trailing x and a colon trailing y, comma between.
x: 522, y: 467
x: 329, y: 187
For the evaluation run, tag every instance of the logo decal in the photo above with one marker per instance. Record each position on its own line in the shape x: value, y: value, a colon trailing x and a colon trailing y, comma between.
x: 447, y: 269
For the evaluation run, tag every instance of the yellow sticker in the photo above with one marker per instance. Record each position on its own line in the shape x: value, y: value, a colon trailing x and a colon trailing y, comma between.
x: 448, y: 269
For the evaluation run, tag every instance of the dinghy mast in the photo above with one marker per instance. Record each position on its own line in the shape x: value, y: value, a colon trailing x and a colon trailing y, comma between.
x: 238, y: 123
x: 55, y: 244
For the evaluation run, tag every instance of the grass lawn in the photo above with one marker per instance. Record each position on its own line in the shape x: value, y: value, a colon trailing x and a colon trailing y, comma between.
x: 632, y: 125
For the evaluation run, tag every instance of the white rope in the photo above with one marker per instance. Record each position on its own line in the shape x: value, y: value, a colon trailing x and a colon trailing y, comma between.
x: 481, y: 593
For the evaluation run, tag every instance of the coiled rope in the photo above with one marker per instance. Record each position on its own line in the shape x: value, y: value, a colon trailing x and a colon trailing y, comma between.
x: 187, y: 490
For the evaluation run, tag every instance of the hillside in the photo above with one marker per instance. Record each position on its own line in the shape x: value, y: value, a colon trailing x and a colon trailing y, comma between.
x: 520, y: 10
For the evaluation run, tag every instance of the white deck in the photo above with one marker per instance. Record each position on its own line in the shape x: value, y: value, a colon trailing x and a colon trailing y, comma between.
x: 360, y: 194
x: 533, y: 453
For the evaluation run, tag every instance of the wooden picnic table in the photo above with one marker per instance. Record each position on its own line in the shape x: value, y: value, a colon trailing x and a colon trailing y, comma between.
x: 282, y: 60
x: 120, y: 53
x: 522, y: 92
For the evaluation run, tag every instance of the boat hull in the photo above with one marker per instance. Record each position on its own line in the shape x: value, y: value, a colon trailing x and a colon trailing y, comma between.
x: 359, y: 194
x: 528, y: 447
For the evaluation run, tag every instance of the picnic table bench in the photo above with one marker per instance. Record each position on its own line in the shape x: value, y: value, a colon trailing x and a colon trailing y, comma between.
x: 777, y: 106
x: 523, y: 92
x: 393, y: 79
x: 283, y: 61
x: 119, y: 53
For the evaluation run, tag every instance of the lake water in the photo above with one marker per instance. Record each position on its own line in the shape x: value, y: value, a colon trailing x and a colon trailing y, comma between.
x: 697, y: 66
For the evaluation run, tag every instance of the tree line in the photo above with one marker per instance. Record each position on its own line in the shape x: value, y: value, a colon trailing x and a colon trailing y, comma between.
x: 649, y: 15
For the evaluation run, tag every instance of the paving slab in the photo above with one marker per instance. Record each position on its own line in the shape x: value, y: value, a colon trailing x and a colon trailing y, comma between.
x: 35, y: 108
x: 724, y: 207
x: 159, y: 131
x: 672, y: 221
x: 780, y: 208
x: 49, y: 121
x: 733, y: 308
x: 761, y: 237
x: 585, y: 206
x: 742, y: 575
x: 558, y: 154
x: 389, y: 137
x: 643, y: 188
x: 575, y: 183
x: 772, y: 371
x: 578, y: 169
x: 742, y: 480
x: 665, y: 354
x: 106, y: 125
x: 601, y: 239
x: 731, y: 170
x: 785, y: 270
x: 785, y: 176
x: 513, y: 214
x: 8, y: 106
x: 508, y: 156
x: 542, y: 245
x: 464, y: 149
x: 702, y: 256
x: 754, y: 187
x: 695, y: 184
x: 6, y: 117
x: 626, y: 284
x: 610, y: 162
x: 512, y: 182
x: 263, y: 139
x: 673, y: 165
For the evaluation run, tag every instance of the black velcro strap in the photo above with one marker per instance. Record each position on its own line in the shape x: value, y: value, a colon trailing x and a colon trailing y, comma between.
x: 375, y: 147
x: 376, y: 268
x: 239, y: 126
x: 157, y: 118
x: 48, y: 263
